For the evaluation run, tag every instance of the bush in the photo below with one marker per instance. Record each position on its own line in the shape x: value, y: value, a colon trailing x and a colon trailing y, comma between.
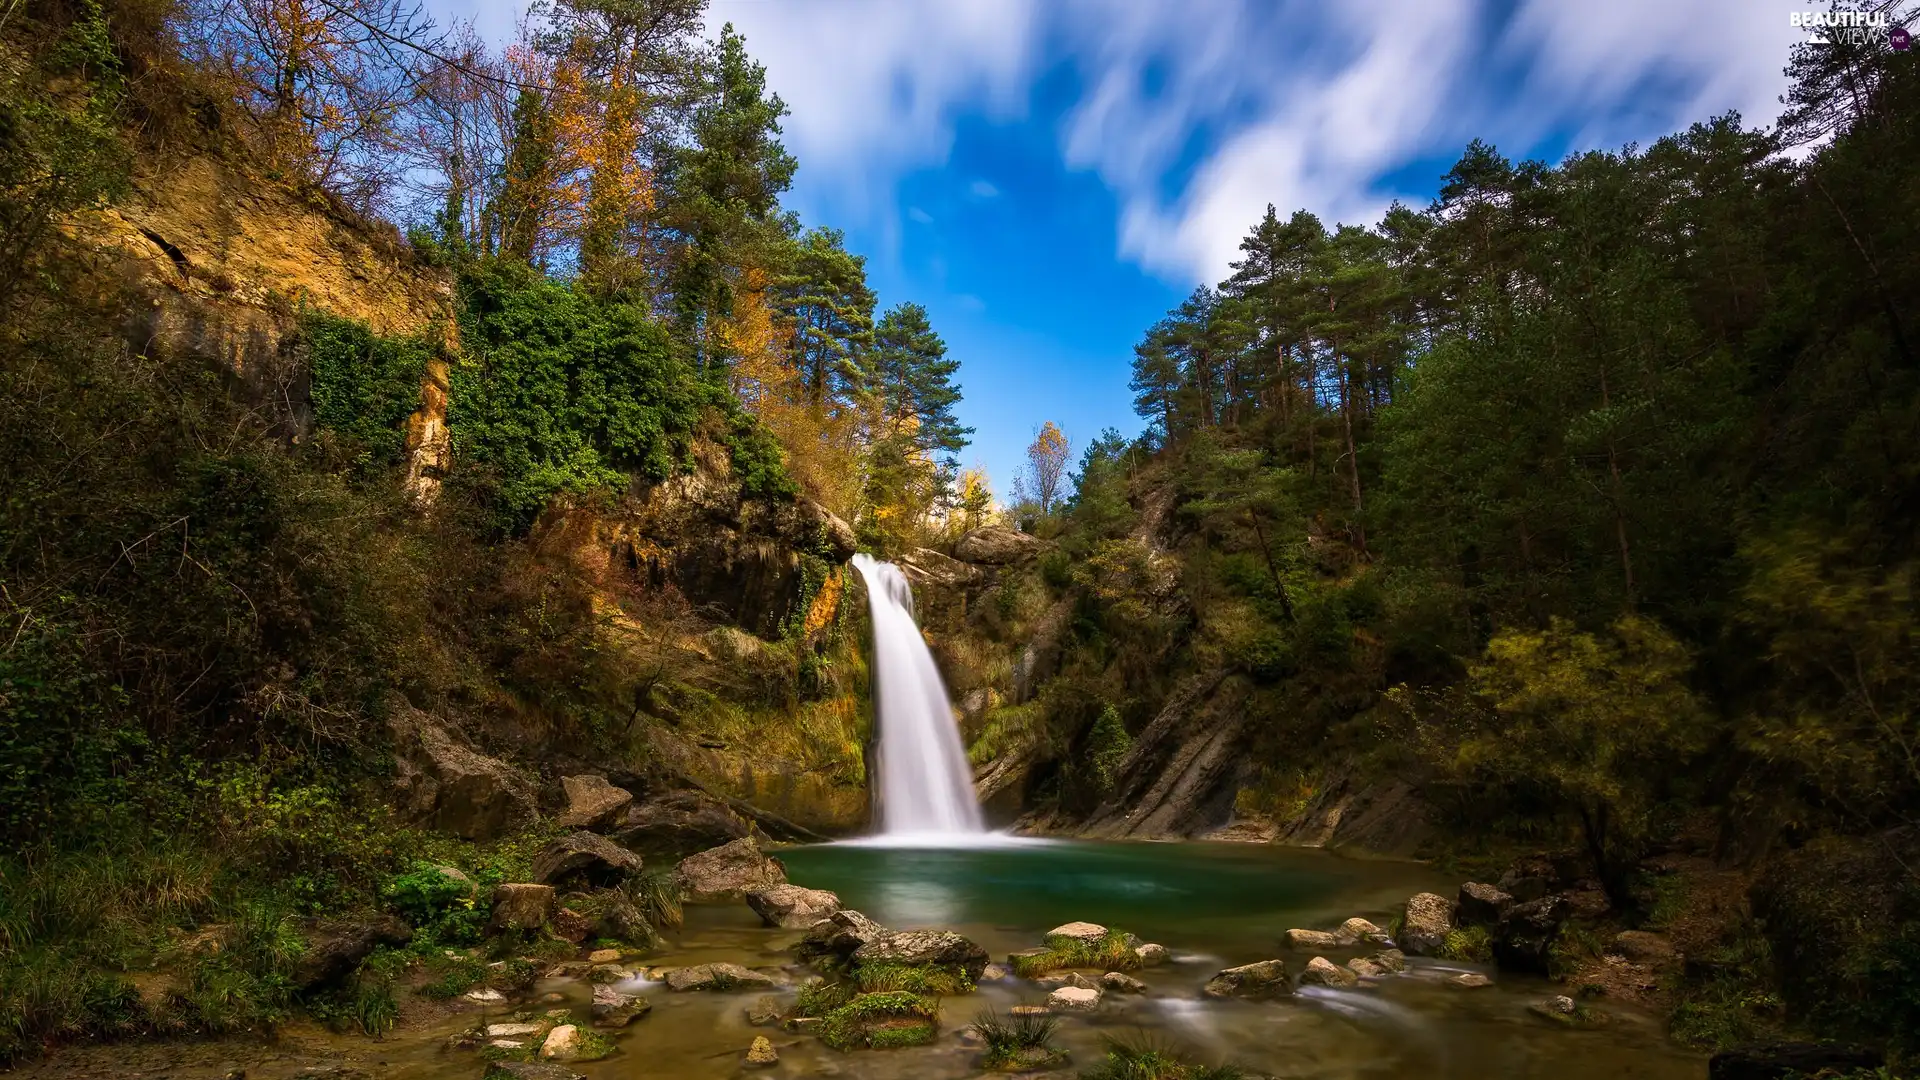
x: 881, y: 1021
x: 1023, y: 1043
x: 364, y: 386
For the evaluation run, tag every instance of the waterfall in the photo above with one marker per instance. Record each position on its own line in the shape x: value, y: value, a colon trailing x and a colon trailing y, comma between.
x: 925, y: 783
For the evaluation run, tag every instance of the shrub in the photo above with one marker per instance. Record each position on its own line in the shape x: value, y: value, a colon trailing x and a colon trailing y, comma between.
x: 1024, y: 1042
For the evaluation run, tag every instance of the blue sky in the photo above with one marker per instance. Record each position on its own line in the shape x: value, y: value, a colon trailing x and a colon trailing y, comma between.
x: 1049, y: 176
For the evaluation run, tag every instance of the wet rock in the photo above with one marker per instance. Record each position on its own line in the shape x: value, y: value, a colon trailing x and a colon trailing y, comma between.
x: 924, y: 947
x: 485, y: 996
x: 1526, y: 933
x: 676, y: 825
x: 613, y: 1008
x: 563, y: 1043
x: 762, y: 1053
x: 1078, y: 981
x: 1151, y: 955
x: 992, y: 973
x: 1470, y: 980
x: 530, y: 1070
x: 591, y: 801
x: 1312, y: 940
x: 1073, y: 999
x: 1424, y: 928
x: 996, y: 545
x: 603, y: 956
x: 1321, y: 971
x: 1555, y: 1006
x: 727, y: 873
x: 448, y: 786
x: 507, y: 1044
x: 1644, y: 947
x: 791, y: 906
x: 584, y: 857
x: 1480, y: 905
x: 608, y: 974
x: 335, y: 947
x: 1267, y: 978
x: 716, y: 977
x: 1029, y: 1010
x: 1121, y: 982
x: 1383, y: 963
x: 511, y: 1031
x: 764, y: 1012
x: 521, y: 906
x: 621, y: 920
x: 840, y: 934
x: 1780, y: 1060
x: 1357, y: 929
x: 1080, y: 933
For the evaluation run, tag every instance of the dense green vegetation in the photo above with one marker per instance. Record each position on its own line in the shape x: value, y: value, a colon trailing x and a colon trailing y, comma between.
x: 1583, y: 497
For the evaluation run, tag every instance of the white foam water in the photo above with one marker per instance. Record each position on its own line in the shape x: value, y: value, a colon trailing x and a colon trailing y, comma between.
x: 925, y: 784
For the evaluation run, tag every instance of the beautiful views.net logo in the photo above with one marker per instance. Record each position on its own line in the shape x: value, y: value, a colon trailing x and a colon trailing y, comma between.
x: 1851, y: 27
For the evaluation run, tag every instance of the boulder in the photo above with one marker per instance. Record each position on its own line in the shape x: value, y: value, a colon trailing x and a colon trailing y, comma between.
x: 993, y: 973
x: 563, y: 1043
x: 1469, y: 980
x: 1644, y: 947
x: 924, y: 947
x: 335, y: 947
x: 447, y: 786
x: 1480, y: 905
x: 1526, y: 932
x: 603, y: 956
x: 996, y: 545
x: 584, y: 857
x: 621, y: 920
x: 727, y: 873
x: 1424, y: 928
x: 571, y: 924
x: 608, y: 974
x: 1264, y: 979
x: 762, y: 1053
x: 1073, y: 999
x: 530, y: 1070
x: 716, y: 977
x: 1080, y: 933
x: 676, y: 825
x: 591, y: 801
x: 791, y: 906
x: 1315, y: 940
x: 1779, y: 1060
x: 1122, y: 982
x: 1528, y: 879
x: 1357, y: 929
x: 1151, y: 955
x: 1321, y: 971
x: 521, y: 906
x: 839, y: 934
x: 614, y: 1009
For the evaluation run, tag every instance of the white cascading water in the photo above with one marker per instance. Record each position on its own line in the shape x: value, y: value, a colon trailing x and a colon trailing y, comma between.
x: 926, y: 785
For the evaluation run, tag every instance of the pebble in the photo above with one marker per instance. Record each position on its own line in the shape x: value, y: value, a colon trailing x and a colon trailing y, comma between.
x: 1471, y: 980
x: 762, y: 1052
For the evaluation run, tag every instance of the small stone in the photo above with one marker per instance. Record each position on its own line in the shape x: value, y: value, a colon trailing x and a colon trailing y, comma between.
x: 1151, y: 954
x: 603, y: 956
x: 1366, y: 968
x: 1471, y: 980
x: 569, y: 969
x: 1323, y: 972
x: 1074, y: 999
x: 1392, y: 960
x: 1085, y: 933
x: 762, y: 1051
x: 609, y: 973
x: 510, y: 1031
x: 1310, y: 940
x: 1122, y: 982
x: 484, y: 995
x: 1562, y: 1005
x: 764, y: 1011
x: 563, y: 1044
x: 1266, y: 978
x: 614, y: 1009
x: 1075, y: 979
x: 992, y: 973
x: 506, y: 1044
x: 1358, y: 929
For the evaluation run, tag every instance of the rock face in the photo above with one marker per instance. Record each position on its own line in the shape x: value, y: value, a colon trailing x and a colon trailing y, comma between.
x: 613, y: 1009
x: 521, y: 907
x: 1265, y: 979
x: 1424, y: 929
x: 591, y: 801
x: 584, y: 857
x: 1180, y: 778
x: 996, y: 545
x: 791, y: 906
x: 1321, y: 971
x: 924, y: 947
x: 1352, y: 811
x: 840, y: 934
x: 1074, y: 999
x: 676, y: 825
x: 716, y: 977
x: 1480, y: 905
x: 445, y: 785
x: 1779, y: 1060
x: 336, y: 946
x: 728, y: 872
x: 1526, y: 932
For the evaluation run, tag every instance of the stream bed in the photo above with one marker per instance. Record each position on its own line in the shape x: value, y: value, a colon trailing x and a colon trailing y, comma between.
x: 1211, y: 905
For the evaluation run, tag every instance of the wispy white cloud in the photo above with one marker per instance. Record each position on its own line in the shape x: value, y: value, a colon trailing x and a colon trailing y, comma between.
x: 983, y: 189
x: 914, y: 213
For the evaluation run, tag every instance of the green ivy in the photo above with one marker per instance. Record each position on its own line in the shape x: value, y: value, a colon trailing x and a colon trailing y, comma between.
x: 364, y: 386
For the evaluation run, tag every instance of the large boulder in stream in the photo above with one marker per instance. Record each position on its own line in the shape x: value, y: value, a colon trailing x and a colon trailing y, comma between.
x: 839, y: 934
x: 791, y: 906
x: 728, y: 872
x: 1265, y: 979
x: 915, y: 948
x: 1480, y: 904
x: 1424, y: 927
x: 584, y: 857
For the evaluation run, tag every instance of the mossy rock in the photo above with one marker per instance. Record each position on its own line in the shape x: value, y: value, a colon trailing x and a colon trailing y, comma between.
x: 935, y: 979
x: 1026, y: 1059
x: 881, y: 1021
